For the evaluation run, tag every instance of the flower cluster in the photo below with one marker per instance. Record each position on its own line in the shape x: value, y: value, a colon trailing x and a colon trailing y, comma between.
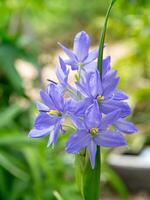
x: 94, y: 105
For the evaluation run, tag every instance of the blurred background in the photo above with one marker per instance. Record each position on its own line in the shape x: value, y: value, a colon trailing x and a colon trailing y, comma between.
x: 29, y: 32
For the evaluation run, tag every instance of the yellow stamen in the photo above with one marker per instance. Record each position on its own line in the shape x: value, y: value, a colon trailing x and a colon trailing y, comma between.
x: 94, y: 131
x: 54, y: 112
x: 100, y: 98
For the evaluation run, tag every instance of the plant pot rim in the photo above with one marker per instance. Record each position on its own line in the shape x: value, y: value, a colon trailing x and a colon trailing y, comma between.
x: 118, y: 159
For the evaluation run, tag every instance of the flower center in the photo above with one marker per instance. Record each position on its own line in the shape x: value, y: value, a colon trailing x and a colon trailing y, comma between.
x: 94, y: 131
x: 80, y: 65
x: 55, y: 112
x: 100, y: 98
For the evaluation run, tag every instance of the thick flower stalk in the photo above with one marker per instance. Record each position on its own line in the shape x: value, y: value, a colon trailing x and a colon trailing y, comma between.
x: 95, y: 106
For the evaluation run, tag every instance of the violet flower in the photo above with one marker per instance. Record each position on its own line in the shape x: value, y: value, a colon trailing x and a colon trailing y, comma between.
x: 94, y: 105
x: 80, y: 55
x: 105, y: 92
x: 93, y: 131
x: 51, y: 114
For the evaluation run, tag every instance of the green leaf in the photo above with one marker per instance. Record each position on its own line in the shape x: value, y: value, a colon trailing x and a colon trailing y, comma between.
x: 102, y: 39
x: 57, y: 195
x: 3, y: 185
x: 8, y: 114
x: 12, y: 168
x: 33, y: 162
x: 18, y: 189
x: 17, y: 140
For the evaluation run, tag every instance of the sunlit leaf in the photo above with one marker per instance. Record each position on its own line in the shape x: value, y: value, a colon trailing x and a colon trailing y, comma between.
x: 8, y: 114
x: 13, y: 169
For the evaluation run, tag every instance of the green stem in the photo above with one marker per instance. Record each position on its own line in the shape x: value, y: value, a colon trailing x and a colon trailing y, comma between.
x: 88, y: 179
x: 102, y: 39
x: 91, y: 179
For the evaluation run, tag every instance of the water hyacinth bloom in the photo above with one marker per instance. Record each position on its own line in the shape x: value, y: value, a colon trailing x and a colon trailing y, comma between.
x: 93, y: 131
x: 51, y: 114
x: 109, y: 98
x: 80, y: 55
x: 95, y: 105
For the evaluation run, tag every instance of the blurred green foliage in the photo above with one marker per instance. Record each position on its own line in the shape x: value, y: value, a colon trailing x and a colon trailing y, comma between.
x: 29, y: 28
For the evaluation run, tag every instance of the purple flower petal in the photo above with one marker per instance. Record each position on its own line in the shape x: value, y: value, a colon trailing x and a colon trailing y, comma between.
x: 112, y: 105
x: 79, y: 107
x: 119, y: 95
x: 125, y: 126
x: 109, y: 78
x: 62, y: 72
x: 93, y: 116
x: 77, y: 141
x: 83, y: 89
x: 90, y: 67
x: 90, y: 84
x: 123, y: 106
x: 36, y: 133
x: 125, y: 109
x: 81, y: 45
x: 111, y: 87
x: 84, y: 84
x: 110, y: 118
x: 106, y: 107
x: 46, y: 99
x: 95, y: 84
x: 110, y: 139
x: 44, y: 121
x: 69, y: 53
x: 92, y: 56
x: 106, y: 65
x: 57, y: 97
x: 78, y: 121
x: 54, y: 134
x: 72, y: 63
x: 42, y: 107
x: 92, y: 152
x: 63, y: 65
